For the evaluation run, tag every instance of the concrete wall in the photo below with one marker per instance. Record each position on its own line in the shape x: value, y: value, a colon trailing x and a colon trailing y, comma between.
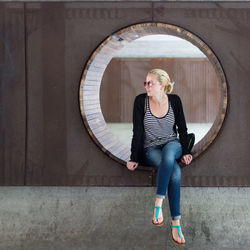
x: 46, y: 218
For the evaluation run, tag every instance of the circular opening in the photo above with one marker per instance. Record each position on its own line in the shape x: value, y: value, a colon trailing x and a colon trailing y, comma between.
x: 119, y: 56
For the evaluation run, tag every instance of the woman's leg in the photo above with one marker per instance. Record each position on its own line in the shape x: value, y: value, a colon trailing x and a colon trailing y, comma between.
x: 170, y: 152
x: 174, y: 190
x: 153, y: 157
x: 161, y: 157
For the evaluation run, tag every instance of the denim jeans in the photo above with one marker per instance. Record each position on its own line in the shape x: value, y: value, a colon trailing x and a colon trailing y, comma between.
x: 164, y: 157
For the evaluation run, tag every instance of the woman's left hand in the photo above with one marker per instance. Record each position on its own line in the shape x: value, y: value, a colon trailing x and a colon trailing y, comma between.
x: 187, y: 159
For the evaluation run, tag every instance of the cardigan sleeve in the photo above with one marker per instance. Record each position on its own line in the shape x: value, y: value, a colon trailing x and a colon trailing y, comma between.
x: 182, y: 127
x: 138, y: 113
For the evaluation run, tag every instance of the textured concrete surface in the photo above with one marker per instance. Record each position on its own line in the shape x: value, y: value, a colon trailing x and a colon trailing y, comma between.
x: 120, y: 218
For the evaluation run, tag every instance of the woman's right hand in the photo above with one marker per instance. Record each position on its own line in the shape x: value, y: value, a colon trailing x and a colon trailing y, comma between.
x: 131, y: 165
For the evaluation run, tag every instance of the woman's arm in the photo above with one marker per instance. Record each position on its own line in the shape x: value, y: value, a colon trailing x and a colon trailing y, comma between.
x: 138, y: 114
x: 182, y: 127
x: 182, y: 130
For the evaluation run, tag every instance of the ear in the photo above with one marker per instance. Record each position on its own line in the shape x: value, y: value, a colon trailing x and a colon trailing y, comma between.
x: 162, y: 87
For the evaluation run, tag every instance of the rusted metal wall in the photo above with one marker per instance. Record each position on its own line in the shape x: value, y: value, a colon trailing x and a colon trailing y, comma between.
x: 44, y: 47
x: 13, y: 93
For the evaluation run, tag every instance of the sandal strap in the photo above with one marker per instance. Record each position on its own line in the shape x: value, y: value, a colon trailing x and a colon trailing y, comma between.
x: 178, y: 229
x: 157, y: 211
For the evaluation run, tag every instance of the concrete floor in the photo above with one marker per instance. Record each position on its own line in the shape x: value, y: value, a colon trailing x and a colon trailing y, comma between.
x: 72, y: 218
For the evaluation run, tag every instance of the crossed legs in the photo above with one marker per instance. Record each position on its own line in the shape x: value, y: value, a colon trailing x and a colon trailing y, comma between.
x: 163, y: 157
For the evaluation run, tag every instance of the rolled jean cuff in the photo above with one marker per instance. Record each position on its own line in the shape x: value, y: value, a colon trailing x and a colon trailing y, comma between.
x: 160, y: 196
x: 178, y: 217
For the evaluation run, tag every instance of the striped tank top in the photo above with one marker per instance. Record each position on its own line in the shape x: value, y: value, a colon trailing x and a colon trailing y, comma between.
x: 158, y: 130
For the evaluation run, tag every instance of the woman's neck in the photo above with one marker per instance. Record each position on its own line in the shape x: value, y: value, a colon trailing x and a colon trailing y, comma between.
x: 159, y: 99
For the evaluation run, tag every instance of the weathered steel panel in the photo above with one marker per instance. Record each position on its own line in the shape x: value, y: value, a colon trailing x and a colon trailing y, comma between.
x: 12, y: 94
x: 58, y: 39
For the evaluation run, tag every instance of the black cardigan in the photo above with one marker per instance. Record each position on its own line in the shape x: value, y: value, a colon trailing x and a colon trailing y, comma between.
x: 138, y: 126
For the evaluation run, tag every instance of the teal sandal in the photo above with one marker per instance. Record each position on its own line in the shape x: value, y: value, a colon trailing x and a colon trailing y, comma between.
x: 157, y: 216
x: 179, y: 232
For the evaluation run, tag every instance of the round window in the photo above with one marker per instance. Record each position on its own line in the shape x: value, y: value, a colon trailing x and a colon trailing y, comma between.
x: 115, y: 73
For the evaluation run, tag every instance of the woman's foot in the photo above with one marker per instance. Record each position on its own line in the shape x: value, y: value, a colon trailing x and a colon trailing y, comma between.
x: 160, y: 217
x: 175, y: 233
x: 158, y: 203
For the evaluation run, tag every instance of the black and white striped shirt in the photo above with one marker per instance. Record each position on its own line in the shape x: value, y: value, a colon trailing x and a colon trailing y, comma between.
x: 158, y: 130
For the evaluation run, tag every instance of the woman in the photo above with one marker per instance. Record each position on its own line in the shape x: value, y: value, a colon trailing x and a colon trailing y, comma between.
x: 156, y: 116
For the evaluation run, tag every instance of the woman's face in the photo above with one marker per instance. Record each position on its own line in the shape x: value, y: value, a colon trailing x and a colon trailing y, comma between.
x: 154, y: 87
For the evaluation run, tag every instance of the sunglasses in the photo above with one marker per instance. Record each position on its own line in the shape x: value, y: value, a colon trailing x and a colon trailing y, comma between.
x: 149, y: 84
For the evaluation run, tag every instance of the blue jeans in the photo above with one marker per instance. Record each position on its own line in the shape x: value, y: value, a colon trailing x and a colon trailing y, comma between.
x: 164, y: 157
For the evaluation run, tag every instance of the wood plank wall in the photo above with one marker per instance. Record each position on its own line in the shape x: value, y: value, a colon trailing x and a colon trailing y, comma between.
x: 195, y: 82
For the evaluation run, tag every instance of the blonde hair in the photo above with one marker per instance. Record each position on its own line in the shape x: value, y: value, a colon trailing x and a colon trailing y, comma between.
x: 163, y: 78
